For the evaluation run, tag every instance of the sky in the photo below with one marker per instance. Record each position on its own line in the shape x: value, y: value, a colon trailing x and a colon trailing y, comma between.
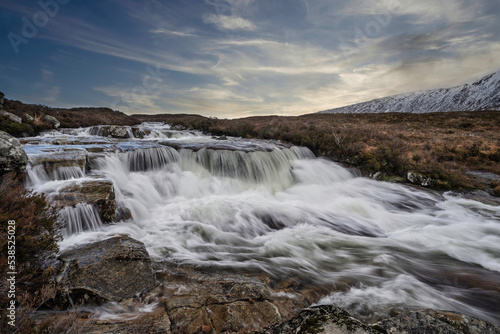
x: 239, y: 58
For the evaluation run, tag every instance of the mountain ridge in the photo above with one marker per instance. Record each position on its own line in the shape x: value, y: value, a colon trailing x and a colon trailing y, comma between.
x: 482, y: 94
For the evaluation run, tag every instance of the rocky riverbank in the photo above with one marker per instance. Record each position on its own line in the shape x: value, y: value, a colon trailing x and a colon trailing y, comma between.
x: 187, y: 299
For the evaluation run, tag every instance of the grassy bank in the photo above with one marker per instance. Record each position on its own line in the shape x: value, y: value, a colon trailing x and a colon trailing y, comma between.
x: 439, y: 146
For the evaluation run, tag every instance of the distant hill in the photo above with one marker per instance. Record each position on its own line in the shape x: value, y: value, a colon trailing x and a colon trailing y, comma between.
x: 483, y: 94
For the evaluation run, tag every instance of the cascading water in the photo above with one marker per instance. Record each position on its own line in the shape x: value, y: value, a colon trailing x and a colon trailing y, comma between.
x: 150, y: 159
x: 82, y: 217
x: 254, y: 204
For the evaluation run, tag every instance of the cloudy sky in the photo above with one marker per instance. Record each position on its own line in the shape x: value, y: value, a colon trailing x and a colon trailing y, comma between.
x: 237, y: 58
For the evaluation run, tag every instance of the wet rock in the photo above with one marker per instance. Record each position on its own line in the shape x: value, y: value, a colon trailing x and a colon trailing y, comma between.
x: 113, y: 131
x: 209, y: 300
x: 12, y: 155
x: 491, y: 181
x: 329, y: 319
x: 52, y: 120
x: 326, y: 319
x: 119, y: 131
x: 57, y: 164
x: 140, y: 133
x: 11, y: 116
x: 122, y: 214
x: 99, y: 193
x: 419, y: 179
x: 484, y: 177
x: 481, y: 196
x: 110, y: 270
x: 178, y: 127
x: 434, y: 321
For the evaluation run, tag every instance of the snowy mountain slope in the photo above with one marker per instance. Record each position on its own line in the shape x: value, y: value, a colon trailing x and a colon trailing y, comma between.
x: 483, y: 94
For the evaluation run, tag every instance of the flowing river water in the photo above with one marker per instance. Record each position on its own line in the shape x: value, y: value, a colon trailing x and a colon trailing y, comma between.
x: 261, y: 205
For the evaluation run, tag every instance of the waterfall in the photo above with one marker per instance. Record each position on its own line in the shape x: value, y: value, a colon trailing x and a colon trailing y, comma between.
x: 81, y: 217
x: 268, y: 168
x: 38, y: 174
x: 95, y: 131
x: 150, y: 159
x: 66, y: 173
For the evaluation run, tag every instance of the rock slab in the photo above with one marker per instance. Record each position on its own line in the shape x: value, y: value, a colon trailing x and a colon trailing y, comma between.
x: 110, y: 270
x: 99, y: 193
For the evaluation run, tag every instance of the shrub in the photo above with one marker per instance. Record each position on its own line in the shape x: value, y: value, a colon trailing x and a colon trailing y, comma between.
x: 15, y: 129
x: 37, y: 233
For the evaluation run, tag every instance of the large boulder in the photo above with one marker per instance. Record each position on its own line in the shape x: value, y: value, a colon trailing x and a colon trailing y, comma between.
x: 52, y: 120
x: 114, y: 269
x: 99, y: 193
x: 12, y: 155
x: 11, y: 116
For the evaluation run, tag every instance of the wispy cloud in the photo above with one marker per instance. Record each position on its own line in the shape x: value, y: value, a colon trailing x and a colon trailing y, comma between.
x: 235, y: 58
x: 224, y: 22
x: 173, y: 33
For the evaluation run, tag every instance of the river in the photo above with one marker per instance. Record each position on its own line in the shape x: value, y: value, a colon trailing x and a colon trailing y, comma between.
x: 240, y: 203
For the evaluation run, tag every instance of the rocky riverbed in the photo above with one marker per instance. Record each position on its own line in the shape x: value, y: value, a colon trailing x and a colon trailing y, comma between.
x: 118, y: 274
x: 170, y: 230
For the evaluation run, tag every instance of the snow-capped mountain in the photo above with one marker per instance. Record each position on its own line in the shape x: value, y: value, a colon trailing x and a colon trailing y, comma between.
x: 483, y: 94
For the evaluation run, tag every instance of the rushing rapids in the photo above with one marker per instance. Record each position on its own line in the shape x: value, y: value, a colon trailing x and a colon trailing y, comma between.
x: 257, y: 204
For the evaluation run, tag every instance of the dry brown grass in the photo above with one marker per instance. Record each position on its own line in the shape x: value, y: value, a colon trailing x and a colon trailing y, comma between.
x: 37, y: 119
